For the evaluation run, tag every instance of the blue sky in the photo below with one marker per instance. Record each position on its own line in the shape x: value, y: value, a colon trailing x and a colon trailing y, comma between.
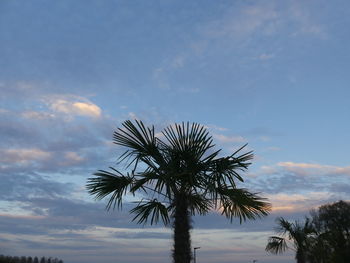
x: 273, y: 74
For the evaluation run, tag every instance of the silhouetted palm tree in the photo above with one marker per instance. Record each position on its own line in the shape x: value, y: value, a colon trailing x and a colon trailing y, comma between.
x: 179, y: 175
x: 295, y: 233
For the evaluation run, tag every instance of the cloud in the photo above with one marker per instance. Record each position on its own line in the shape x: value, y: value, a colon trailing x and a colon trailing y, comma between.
x: 37, y: 115
x: 216, y: 128
x: 23, y: 155
x: 241, y: 22
x: 272, y: 149
x: 41, y: 140
x: 309, y: 169
x: 292, y: 186
x: 298, y: 202
x: 17, y: 133
x: 178, y: 61
x: 265, y: 56
x: 22, y: 186
x: 161, y: 79
x: 18, y: 90
x: 75, y: 108
x: 307, y: 25
x: 305, y: 169
x: 142, y: 234
x: 73, y: 157
x: 2, y: 111
x: 228, y: 139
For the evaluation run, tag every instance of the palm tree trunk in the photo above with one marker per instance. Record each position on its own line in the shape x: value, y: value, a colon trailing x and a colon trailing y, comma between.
x: 182, y: 226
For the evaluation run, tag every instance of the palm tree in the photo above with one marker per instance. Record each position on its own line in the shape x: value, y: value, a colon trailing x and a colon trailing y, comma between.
x: 178, y: 175
x: 296, y: 234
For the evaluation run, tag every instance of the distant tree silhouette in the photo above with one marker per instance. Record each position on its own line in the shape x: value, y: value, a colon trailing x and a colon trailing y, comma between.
x: 182, y: 175
x: 332, y: 224
x: 16, y: 259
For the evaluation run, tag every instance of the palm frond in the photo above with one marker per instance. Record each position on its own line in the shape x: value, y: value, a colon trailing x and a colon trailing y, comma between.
x: 152, y: 209
x: 198, y: 203
x: 107, y: 183
x: 226, y: 169
x: 190, y: 139
x: 276, y: 245
x: 242, y: 204
x: 139, y: 140
x: 283, y: 226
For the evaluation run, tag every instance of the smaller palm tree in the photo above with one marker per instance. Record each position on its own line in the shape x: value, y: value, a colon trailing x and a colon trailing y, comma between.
x: 295, y: 236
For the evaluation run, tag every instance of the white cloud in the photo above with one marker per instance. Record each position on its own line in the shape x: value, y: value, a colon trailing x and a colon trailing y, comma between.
x: 82, y: 108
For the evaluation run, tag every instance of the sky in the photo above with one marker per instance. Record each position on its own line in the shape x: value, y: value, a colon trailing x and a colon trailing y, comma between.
x: 273, y: 74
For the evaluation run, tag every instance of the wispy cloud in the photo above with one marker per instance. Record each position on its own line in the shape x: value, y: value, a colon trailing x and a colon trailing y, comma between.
x: 265, y: 56
x: 228, y: 139
x: 242, y: 21
x: 37, y: 115
x: 306, y: 22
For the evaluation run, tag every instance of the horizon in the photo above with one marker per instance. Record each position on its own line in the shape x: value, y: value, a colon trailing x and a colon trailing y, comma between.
x: 271, y: 74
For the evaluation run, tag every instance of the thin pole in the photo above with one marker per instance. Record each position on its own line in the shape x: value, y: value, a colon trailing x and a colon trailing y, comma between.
x: 194, y: 253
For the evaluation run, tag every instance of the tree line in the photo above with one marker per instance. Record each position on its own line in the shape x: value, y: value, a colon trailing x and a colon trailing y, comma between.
x: 24, y: 259
x: 323, y: 237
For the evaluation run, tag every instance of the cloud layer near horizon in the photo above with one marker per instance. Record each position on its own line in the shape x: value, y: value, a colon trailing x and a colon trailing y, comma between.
x: 46, y: 208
